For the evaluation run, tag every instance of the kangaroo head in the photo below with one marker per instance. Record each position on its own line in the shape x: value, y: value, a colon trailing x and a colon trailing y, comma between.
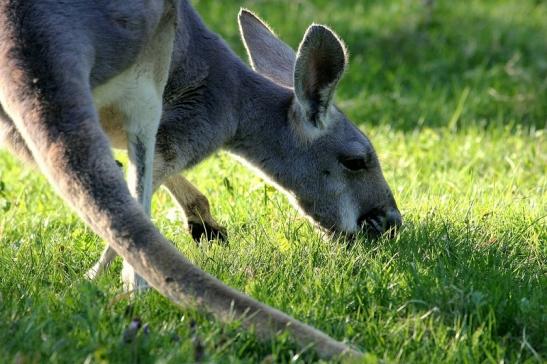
x: 332, y: 172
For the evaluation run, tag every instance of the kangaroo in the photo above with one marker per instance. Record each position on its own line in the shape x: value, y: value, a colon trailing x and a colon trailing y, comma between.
x: 70, y: 74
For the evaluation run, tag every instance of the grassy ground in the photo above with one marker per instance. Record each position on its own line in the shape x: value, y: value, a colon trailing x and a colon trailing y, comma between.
x: 455, y: 101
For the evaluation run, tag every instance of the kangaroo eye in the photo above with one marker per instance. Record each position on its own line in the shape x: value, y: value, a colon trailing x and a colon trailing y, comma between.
x: 354, y: 163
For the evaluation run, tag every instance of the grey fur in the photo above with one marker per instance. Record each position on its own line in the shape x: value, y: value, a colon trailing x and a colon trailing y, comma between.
x: 269, y: 57
x: 319, y: 65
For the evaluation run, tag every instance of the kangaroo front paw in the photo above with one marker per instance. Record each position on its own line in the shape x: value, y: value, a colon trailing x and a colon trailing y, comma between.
x: 208, y: 231
x: 132, y: 282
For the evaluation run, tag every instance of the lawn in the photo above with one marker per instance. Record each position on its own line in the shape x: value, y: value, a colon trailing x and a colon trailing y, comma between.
x: 454, y: 98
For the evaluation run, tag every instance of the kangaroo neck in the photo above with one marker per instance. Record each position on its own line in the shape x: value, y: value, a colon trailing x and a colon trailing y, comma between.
x: 222, y: 102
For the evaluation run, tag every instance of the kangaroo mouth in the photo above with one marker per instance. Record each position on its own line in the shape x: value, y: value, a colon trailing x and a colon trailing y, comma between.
x: 376, y: 223
x: 371, y: 223
x: 372, y: 227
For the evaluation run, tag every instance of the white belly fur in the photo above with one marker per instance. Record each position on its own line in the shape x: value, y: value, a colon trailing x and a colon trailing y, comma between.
x: 131, y: 102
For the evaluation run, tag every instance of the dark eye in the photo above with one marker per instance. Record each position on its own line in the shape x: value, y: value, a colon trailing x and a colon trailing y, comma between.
x: 354, y: 163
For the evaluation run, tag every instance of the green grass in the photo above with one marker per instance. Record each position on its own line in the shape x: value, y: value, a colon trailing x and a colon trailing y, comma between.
x: 454, y: 99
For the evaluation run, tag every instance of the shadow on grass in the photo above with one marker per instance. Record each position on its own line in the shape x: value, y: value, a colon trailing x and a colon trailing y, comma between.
x: 469, y: 279
x: 450, y: 71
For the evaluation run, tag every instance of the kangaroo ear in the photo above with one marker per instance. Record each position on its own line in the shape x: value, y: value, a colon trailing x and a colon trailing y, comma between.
x: 320, y: 63
x: 268, y: 55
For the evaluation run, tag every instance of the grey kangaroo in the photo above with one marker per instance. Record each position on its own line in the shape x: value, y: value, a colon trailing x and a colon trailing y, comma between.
x: 73, y: 73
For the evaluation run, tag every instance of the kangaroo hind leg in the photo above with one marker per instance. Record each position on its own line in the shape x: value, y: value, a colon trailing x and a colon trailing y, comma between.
x: 141, y: 137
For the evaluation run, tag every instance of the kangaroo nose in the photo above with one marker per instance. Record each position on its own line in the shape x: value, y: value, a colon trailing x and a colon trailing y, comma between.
x: 393, y: 222
x: 377, y: 222
x: 393, y: 219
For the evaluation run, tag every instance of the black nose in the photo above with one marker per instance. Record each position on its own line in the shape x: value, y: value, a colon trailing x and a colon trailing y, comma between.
x: 393, y: 222
x: 393, y: 219
x: 377, y: 222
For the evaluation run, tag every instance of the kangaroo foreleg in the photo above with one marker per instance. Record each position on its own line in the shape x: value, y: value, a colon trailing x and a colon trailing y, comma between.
x: 195, y: 207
